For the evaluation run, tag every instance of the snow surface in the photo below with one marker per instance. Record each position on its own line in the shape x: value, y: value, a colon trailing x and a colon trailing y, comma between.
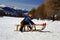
x: 7, y: 27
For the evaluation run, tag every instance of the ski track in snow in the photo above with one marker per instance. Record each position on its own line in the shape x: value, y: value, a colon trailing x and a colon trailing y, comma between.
x: 7, y: 27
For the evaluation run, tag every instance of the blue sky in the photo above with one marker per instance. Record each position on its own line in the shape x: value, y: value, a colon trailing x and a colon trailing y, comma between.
x: 28, y: 4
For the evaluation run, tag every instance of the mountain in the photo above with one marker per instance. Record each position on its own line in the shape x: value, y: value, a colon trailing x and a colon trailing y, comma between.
x: 13, y: 12
x: 1, y: 5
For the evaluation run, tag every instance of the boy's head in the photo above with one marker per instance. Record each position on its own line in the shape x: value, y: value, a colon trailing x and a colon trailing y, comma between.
x: 30, y: 15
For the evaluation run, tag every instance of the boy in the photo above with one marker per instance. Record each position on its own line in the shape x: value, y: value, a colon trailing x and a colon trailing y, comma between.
x: 26, y: 21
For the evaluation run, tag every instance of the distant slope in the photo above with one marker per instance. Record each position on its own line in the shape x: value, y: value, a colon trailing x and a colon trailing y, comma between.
x: 14, y: 12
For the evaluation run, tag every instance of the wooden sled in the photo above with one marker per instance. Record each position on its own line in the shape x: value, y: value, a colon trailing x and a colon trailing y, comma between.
x: 33, y: 26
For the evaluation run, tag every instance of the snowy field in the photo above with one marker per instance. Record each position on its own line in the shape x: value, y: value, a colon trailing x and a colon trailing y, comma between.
x: 7, y: 27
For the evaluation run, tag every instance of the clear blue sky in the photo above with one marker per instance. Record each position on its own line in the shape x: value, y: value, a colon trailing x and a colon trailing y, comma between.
x: 28, y: 4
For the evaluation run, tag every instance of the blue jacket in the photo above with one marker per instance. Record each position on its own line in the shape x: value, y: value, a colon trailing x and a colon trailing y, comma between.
x: 28, y: 20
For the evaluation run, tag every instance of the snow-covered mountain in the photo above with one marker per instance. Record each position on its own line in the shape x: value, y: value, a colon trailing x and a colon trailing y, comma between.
x: 7, y: 27
x: 2, y: 5
x: 12, y: 11
x: 20, y: 8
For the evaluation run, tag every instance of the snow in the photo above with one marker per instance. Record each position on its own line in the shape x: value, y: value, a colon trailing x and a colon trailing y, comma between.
x: 2, y: 5
x: 7, y: 27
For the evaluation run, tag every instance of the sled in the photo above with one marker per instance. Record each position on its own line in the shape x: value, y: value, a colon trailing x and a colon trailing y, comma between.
x: 33, y: 26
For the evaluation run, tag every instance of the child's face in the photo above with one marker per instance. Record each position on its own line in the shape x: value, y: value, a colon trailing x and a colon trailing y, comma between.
x: 30, y: 15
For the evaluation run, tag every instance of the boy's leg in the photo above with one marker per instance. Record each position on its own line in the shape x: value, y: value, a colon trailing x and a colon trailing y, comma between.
x: 21, y: 29
x: 30, y: 27
x: 22, y: 25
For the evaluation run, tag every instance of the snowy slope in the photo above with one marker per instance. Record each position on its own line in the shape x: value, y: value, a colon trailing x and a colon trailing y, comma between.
x: 7, y: 27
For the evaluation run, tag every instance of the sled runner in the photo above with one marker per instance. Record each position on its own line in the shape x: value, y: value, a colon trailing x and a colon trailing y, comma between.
x: 33, y: 26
